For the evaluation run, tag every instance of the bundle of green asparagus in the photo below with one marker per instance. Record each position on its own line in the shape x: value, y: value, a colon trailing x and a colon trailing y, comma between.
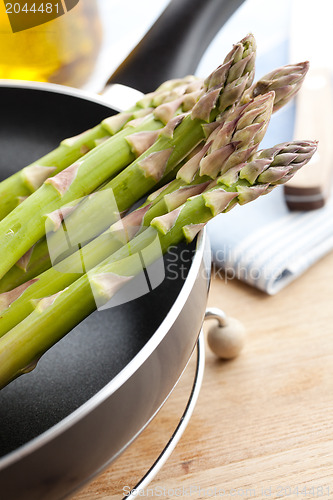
x: 198, y: 146
x: 19, y: 186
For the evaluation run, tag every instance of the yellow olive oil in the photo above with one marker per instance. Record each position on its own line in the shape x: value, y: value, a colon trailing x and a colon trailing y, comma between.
x: 62, y: 50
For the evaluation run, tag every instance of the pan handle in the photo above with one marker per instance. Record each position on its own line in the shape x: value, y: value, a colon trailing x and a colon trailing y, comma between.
x: 174, y: 45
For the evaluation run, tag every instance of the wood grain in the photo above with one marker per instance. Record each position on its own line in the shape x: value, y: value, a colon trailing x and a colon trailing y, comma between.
x: 263, y: 423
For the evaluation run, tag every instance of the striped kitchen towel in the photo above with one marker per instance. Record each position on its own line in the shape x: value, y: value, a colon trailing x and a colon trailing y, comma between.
x: 268, y: 246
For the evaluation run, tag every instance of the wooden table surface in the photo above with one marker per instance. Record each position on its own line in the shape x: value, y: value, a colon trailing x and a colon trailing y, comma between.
x: 263, y: 424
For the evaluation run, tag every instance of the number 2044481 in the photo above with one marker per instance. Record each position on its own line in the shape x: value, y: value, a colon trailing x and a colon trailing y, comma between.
x: 17, y: 8
x: 302, y: 492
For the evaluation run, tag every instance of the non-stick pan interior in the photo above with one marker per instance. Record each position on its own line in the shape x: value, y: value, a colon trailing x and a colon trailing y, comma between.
x: 94, y: 352
x: 83, y: 362
x: 33, y: 122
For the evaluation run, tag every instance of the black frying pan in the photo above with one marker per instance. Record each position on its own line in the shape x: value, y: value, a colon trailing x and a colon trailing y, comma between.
x: 93, y: 392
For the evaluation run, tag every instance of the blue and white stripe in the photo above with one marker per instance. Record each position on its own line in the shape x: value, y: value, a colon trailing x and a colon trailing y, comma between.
x: 276, y: 251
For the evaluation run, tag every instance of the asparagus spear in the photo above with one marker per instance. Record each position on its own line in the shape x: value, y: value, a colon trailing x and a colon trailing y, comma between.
x: 111, y: 156
x: 239, y: 185
x: 231, y: 143
x: 222, y: 151
x: 25, y: 224
x: 17, y: 187
x: 285, y: 81
x: 57, y: 314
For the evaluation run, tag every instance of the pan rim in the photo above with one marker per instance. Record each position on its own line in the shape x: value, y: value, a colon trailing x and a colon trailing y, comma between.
x: 144, y: 353
x: 58, y: 89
